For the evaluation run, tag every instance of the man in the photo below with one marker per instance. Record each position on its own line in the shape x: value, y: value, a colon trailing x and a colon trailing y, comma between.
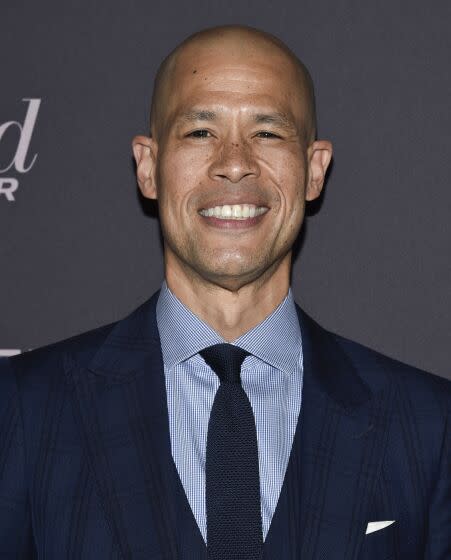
x: 218, y: 420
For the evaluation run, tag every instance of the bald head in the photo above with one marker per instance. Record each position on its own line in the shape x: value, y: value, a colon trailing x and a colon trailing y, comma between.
x: 240, y: 42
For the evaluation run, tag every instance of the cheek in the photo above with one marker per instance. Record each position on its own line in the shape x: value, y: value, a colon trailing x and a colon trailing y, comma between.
x: 182, y: 169
x: 179, y: 181
x: 287, y: 163
x: 177, y: 177
x: 289, y: 175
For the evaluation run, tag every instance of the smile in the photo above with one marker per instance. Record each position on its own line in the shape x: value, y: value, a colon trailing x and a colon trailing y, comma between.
x: 234, y: 211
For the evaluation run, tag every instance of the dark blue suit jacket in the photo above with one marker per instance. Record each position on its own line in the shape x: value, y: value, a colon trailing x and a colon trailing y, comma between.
x: 86, y: 470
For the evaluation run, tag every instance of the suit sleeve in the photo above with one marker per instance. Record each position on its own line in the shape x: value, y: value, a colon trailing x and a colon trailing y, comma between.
x: 438, y: 545
x: 16, y: 540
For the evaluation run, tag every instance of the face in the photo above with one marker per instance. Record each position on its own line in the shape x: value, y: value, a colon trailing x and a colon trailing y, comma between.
x: 230, y: 166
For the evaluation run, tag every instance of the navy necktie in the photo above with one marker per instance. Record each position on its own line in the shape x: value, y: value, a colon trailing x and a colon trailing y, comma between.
x: 234, y: 525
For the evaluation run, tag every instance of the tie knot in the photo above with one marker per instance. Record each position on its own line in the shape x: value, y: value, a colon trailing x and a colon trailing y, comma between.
x: 225, y: 360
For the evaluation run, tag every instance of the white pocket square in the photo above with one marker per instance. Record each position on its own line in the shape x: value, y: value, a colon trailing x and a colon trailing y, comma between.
x: 377, y: 526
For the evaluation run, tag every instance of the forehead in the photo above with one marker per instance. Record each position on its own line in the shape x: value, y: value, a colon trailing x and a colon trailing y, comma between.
x: 234, y: 76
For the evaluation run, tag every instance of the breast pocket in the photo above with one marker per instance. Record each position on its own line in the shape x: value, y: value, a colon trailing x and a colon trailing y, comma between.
x: 381, y: 544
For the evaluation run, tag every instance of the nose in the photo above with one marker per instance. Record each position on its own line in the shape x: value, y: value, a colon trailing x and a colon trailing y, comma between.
x: 234, y: 161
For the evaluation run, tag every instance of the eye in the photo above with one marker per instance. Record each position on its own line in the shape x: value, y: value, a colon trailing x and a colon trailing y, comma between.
x: 266, y: 134
x: 199, y: 134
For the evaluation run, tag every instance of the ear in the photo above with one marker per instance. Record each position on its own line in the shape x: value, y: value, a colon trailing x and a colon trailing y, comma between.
x: 319, y: 156
x: 145, y: 151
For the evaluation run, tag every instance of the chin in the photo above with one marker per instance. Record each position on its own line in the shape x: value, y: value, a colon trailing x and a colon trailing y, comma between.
x: 231, y: 277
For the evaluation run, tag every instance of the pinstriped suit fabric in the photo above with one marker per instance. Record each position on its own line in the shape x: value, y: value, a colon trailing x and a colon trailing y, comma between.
x: 86, y: 470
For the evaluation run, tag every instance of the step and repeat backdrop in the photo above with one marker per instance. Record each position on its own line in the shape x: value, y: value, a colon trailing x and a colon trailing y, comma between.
x: 79, y: 247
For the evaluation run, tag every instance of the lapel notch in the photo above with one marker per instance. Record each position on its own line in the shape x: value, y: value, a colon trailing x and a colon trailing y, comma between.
x: 120, y: 396
x: 336, y: 455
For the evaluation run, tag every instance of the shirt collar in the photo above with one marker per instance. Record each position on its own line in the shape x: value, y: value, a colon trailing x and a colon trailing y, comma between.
x: 276, y: 340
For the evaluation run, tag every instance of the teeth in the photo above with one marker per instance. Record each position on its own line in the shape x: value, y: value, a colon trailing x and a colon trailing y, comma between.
x: 234, y: 212
x: 226, y: 211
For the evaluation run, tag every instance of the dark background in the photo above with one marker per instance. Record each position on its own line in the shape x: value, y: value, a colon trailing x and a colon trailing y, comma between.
x: 77, y: 249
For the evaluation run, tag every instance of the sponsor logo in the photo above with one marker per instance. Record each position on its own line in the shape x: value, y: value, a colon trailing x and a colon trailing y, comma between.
x: 20, y: 161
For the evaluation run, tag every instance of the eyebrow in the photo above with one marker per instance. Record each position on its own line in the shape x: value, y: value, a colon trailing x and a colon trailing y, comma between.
x: 198, y: 115
x: 276, y: 118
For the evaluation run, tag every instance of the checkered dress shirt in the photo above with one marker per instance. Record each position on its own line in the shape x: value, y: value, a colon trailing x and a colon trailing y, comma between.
x: 271, y: 377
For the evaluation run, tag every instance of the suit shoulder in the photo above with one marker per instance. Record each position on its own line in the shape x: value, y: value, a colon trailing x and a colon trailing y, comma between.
x: 377, y: 369
x: 46, y: 358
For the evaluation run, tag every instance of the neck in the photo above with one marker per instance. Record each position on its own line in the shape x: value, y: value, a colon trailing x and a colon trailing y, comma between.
x: 230, y: 312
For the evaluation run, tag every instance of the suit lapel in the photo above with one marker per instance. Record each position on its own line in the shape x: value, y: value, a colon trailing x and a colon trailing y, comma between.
x: 120, y: 403
x: 335, y: 458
